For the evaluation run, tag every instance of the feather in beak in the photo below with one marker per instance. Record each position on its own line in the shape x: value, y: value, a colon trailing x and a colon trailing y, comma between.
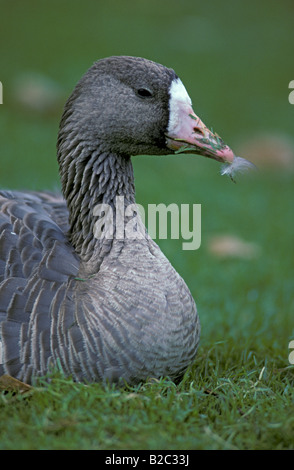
x: 238, y: 165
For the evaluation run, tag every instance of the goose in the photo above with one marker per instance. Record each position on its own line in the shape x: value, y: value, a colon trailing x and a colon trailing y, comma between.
x: 99, y: 306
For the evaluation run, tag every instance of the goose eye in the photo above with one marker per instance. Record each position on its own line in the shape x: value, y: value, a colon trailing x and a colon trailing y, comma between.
x: 144, y: 93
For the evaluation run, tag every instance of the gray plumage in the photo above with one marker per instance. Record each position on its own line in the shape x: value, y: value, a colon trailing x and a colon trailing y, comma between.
x: 103, y: 309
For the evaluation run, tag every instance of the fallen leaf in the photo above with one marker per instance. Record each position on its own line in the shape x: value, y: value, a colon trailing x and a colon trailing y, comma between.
x: 38, y: 93
x: 10, y: 384
x: 269, y: 152
x: 225, y: 246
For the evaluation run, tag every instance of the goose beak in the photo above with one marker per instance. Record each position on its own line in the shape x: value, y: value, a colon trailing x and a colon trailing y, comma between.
x: 190, y: 135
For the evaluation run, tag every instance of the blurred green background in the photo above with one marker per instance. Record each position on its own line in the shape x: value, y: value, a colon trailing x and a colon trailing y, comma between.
x: 236, y: 61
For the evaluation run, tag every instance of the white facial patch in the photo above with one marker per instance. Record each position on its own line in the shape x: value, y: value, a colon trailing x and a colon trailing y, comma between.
x: 179, y: 101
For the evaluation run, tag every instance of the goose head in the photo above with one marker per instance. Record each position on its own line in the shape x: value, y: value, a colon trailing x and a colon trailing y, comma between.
x: 133, y: 106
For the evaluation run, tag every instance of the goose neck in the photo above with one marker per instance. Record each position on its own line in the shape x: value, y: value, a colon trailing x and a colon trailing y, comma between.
x: 93, y: 180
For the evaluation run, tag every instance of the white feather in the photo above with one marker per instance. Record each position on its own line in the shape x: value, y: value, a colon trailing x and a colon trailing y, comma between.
x: 239, y: 165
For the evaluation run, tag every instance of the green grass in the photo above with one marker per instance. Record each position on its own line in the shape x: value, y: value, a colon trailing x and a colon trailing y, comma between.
x: 239, y: 392
x: 230, y: 399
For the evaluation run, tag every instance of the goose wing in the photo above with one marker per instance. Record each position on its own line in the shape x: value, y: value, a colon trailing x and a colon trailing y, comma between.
x: 36, y: 264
